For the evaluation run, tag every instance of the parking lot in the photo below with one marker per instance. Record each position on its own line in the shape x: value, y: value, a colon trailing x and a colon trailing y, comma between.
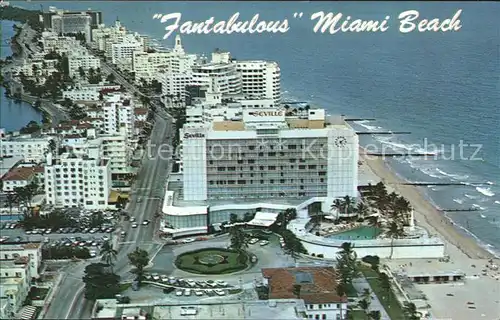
x: 190, y: 287
x: 90, y: 238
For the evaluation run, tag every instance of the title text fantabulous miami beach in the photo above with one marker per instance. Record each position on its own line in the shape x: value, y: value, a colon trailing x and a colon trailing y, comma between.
x: 324, y: 22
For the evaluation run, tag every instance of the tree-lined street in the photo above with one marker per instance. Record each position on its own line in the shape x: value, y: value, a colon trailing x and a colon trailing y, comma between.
x: 148, y: 186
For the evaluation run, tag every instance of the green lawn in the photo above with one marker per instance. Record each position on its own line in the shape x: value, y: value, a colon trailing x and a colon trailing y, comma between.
x: 388, y: 299
x: 125, y: 286
x: 212, y: 261
x: 351, y: 292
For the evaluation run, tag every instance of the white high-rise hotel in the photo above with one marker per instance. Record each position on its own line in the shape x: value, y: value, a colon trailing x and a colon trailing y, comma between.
x: 255, y: 79
x: 262, y: 161
x: 267, y: 154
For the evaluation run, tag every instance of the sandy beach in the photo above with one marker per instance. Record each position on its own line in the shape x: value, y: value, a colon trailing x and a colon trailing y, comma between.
x: 447, y: 301
x: 426, y: 214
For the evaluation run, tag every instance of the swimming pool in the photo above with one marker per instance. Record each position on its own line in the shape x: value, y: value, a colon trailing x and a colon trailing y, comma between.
x: 360, y: 233
x: 10, y: 217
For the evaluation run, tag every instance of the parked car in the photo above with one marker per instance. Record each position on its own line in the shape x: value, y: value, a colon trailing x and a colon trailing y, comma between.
x: 221, y: 283
x: 198, y: 292
x: 134, y: 225
x: 253, y: 241
x: 264, y: 243
x: 145, y: 222
x: 179, y: 293
x: 220, y: 292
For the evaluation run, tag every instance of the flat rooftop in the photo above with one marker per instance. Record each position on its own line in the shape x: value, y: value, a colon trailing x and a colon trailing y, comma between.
x: 268, y: 309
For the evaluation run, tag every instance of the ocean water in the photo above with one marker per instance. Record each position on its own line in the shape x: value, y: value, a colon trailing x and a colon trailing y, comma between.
x: 13, y: 116
x: 443, y: 87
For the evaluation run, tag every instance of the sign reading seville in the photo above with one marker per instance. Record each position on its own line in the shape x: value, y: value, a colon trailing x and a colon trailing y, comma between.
x: 193, y: 135
x: 278, y: 113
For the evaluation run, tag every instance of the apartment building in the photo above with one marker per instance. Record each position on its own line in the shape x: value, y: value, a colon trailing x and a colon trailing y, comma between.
x: 29, y: 147
x: 114, y: 147
x: 122, y: 52
x: 95, y: 16
x: 149, y: 65
x: 260, y: 79
x: 118, y: 111
x: 72, y: 22
x: 318, y: 289
x: 38, y: 67
x: 60, y: 44
x: 82, y: 59
x: 78, y: 181
x: 103, y: 37
x: 179, y: 73
x: 220, y: 72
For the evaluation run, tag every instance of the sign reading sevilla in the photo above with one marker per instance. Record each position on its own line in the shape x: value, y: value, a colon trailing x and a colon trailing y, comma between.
x: 277, y: 113
x: 193, y: 135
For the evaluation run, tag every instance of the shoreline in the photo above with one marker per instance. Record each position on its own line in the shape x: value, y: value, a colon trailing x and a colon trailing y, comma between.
x: 426, y: 214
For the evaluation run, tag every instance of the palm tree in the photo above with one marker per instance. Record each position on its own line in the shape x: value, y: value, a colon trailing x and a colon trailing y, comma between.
x: 52, y: 146
x: 11, y: 199
x: 364, y: 304
x: 362, y: 209
x: 394, y: 232
x: 374, y: 223
x: 108, y: 254
x: 348, y: 202
x: 346, y: 264
x: 239, y: 239
x: 410, y: 311
x: 375, y: 315
x: 338, y: 206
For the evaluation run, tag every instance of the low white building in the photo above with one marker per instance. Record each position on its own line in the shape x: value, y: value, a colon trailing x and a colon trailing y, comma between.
x: 318, y: 289
x: 15, y: 250
x: 84, y: 60
x: 88, y: 92
x: 59, y: 44
x: 28, y: 147
x: 78, y: 181
x: 81, y: 95
x: 15, y: 283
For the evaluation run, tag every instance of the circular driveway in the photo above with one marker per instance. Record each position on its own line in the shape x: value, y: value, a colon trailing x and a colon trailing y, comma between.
x: 269, y: 256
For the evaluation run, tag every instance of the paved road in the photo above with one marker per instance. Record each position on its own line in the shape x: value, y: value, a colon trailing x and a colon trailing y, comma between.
x: 149, y: 186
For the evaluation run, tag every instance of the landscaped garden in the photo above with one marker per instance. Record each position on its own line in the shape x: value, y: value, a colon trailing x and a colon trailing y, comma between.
x: 212, y: 261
